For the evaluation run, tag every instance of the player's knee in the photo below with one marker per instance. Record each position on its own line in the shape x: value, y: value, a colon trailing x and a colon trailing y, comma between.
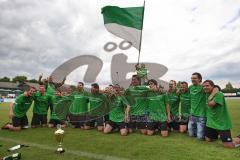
x: 182, y: 130
x: 150, y: 133
x: 63, y: 125
x: 130, y: 130
x: 228, y: 145
x: 50, y: 126
x: 144, y: 131
x: 164, y: 134
x: 100, y: 128
x: 87, y: 127
x: 106, y: 130
x: 208, y: 139
x: 123, y: 132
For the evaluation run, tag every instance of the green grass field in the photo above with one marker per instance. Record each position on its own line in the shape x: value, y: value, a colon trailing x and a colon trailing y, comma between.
x: 94, y: 145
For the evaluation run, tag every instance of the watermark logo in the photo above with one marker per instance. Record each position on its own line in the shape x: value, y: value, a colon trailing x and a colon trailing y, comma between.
x: 119, y: 66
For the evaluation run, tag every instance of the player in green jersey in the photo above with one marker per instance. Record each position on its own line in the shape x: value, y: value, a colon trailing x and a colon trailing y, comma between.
x: 118, y: 115
x: 50, y: 86
x: 78, y: 109
x: 174, y: 100
x: 197, y: 120
x: 184, y: 110
x: 40, y: 108
x: 54, y: 118
x: 19, y: 108
x: 158, y: 110
x: 136, y: 97
x: 98, y: 107
x: 142, y: 73
x: 218, y: 119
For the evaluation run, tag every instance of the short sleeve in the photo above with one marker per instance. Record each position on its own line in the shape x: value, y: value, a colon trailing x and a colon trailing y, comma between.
x: 219, y: 98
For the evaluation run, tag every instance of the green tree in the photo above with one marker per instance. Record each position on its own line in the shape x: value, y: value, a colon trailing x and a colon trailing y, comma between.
x: 229, y: 86
x: 5, y: 79
x: 230, y: 89
x: 33, y: 81
x: 20, y: 79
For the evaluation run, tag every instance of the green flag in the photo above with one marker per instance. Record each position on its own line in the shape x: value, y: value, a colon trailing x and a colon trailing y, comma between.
x: 125, y: 23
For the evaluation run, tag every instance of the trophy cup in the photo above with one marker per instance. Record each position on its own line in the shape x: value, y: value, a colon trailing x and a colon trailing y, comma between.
x: 59, y: 134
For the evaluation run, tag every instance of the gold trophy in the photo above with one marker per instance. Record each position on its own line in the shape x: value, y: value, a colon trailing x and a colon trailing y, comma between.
x: 59, y: 134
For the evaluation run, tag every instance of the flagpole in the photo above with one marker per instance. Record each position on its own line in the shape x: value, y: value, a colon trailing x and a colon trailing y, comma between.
x: 140, y: 44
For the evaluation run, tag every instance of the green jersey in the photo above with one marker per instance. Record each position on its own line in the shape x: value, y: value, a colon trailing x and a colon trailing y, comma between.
x: 55, y: 100
x: 21, y: 105
x: 218, y: 116
x: 157, y: 106
x: 80, y: 102
x: 41, y: 103
x: 198, y: 101
x: 136, y: 97
x: 61, y: 106
x: 173, y: 103
x: 142, y: 72
x: 83, y: 93
x: 185, y: 106
x: 98, y: 104
x: 50, y: 89
x: 118, y: 105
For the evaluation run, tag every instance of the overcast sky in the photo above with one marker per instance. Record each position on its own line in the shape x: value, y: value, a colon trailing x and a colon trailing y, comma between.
x: 36, y: 36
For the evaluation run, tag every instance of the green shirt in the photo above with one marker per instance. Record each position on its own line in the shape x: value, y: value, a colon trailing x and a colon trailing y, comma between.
x: 218, y: 116
x: 157, y: 106
x: 137, y: 98
x: 61, y: 106
x: 21, y: 105
x: 98, y: 104
x: 185, y: 106
x: 142, y: 72
x: 173, y: 103
x: 50, y: 89
x: 198, y: 101
x: 118, y: 105
x: 55, y: 100
x: 83, y: 93
x: 41, y: 103
x: 80, y: 102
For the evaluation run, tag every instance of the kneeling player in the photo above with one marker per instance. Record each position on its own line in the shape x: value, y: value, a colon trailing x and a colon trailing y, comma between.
x: 218, y: 119
x: 40, y: 108
x: 19, y: 109
x: 98, y: 103
x: 119, y: 113
x: 136, y: 97
x: 55, y: 120
x: 158, y: 110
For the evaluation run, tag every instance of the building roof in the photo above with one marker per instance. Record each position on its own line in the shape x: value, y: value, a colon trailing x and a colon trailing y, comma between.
x: 8, y: 85
x: 11, y: 85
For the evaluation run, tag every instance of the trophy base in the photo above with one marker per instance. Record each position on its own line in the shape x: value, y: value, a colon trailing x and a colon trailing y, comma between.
x: 60, y: 151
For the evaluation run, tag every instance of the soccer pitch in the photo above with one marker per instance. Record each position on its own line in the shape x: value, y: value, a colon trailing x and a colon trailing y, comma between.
x: 92, y: 144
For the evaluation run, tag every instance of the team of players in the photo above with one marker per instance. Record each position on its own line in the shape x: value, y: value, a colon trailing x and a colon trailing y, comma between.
x: 199, y: 109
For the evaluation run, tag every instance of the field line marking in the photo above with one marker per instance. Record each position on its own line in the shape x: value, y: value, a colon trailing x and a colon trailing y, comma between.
x: 73, y: 152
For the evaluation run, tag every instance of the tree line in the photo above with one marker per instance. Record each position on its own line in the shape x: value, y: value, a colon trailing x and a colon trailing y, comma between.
x: 18, y: 79
x: 228, y: 87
